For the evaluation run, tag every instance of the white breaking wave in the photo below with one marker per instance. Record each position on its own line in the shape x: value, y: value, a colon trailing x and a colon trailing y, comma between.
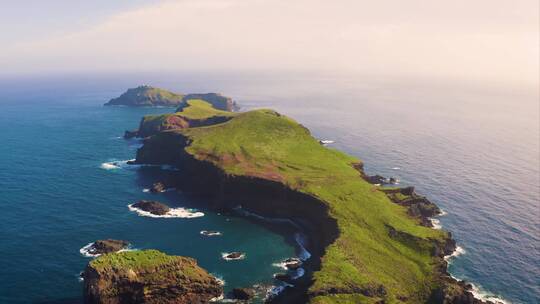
x: 326, y: 142
x: 145, y: 190
x: 123, y: 164
x: 210, y: 233
x: 274, y: 291
x: 436, y: 223
x: 301, y: 241
x: 299, y: 273
x: 117, y: 164
x: 485, y: 296
x: 85, y: 251
x: 459, y: 251
x: 283, y: 264
x: 224, y: 255
x: 396, y: 168
x: 173, y: 213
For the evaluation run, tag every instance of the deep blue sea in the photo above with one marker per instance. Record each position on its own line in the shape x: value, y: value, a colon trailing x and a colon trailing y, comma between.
x: 473, y: 150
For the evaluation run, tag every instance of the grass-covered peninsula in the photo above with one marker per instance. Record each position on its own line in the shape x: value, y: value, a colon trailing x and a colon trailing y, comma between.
x: 379, y: 251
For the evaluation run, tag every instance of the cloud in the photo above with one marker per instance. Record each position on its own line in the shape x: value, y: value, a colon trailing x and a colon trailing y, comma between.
x: 483, y: 40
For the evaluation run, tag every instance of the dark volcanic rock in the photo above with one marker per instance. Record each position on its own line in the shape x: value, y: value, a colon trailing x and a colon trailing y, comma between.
x: 153, y: 207
x: 233, y: 255
x: 157, y: 187
x: 131, y: 134
x: 107, y: 246
x: 148, y: 276
x: 455, y: 292
x: 243, y: 293
x: 284, y: 277
x: 293, y: 263
x: 375, y: 179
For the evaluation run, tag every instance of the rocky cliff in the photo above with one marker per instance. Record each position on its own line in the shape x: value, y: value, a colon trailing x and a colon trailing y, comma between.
x: 147, y: 276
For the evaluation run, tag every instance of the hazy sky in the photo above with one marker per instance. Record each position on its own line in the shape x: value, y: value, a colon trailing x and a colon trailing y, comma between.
x: 480, y: 40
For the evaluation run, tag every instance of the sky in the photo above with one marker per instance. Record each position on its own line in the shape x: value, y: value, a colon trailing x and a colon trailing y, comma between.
x: 482, y: 40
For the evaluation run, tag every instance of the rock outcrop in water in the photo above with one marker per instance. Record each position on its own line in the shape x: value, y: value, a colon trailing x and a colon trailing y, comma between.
x: 271, y: 166
x: 147, y: 276
x: 157, y: 187
x: 107, y: 246
x: 243, y: 294
x: 153, y: 207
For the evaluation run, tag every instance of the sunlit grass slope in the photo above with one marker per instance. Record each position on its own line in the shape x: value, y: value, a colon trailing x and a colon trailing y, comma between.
x: 266, y: 144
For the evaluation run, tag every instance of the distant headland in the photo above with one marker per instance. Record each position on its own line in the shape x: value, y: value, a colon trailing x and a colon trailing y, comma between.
x: 148, y: 96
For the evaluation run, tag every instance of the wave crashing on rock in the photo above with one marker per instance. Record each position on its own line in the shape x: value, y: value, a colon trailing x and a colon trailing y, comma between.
x: 172, y: 213
x: 233, y: 256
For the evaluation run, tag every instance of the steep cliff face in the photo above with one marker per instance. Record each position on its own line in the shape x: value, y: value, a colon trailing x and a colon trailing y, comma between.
x: 254, y: 194
x: 147, y: 276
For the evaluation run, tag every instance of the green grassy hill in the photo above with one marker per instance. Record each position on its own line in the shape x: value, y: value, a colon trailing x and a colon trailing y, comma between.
x: 381, y: 252
x: 197, y: 113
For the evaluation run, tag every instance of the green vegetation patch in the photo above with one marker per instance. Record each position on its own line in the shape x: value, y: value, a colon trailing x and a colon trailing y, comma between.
x: 197, y: 113
x: 136, y: 260
x: 200, y: 109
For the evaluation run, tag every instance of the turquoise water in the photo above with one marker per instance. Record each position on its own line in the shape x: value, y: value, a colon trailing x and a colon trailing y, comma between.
x: 56, y: 198
x: 473, y: 151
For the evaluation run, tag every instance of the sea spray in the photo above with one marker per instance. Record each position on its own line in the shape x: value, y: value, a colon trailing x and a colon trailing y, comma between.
x: 172, y: 213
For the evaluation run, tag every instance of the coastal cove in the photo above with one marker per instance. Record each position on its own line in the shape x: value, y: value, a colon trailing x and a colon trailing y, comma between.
x: 181, y: 235
x: 90, y: 202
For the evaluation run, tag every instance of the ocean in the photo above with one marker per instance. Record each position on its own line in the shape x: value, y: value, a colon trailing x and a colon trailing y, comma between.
x: 471, y: 149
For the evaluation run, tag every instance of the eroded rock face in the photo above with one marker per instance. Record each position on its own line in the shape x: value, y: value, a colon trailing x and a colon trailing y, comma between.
x: 153, y: 207
x: 147, y: 276
x: 107, y: 246
x: 456, y: 292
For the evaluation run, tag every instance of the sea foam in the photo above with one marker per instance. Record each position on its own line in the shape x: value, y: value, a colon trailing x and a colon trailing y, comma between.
x: 459, y: 251
x: 225, y: 254
x: 173, y: 213
x: 123, y: 164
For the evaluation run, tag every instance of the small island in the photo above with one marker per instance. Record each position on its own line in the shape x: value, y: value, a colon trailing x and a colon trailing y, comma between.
x: 361, y: 232
x: 148, y: 96
x: 147, y: 276
x: 100, y: 247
